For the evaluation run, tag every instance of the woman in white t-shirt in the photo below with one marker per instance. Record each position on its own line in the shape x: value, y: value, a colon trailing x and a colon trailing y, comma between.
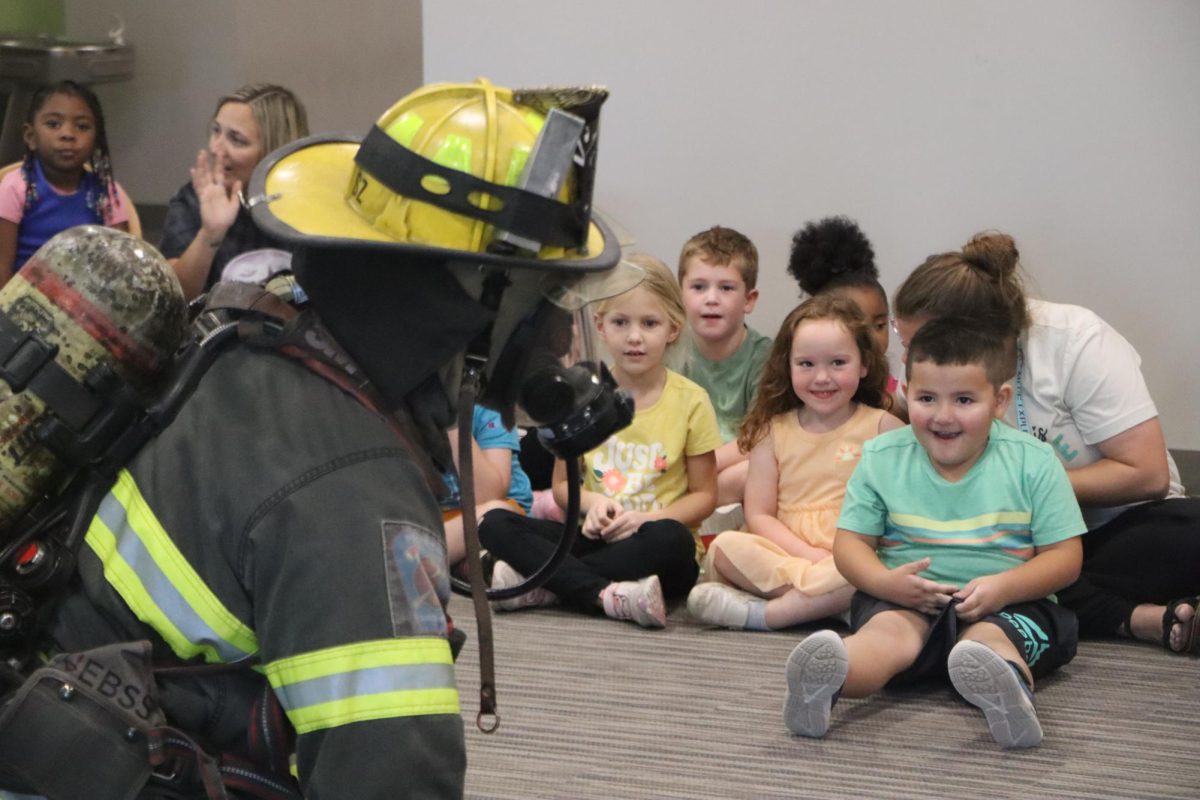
x: 1078, y: 386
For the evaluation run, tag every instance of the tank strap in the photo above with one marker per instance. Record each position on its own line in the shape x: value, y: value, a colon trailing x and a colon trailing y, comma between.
x: 183, y: 766
x: 87, y: 416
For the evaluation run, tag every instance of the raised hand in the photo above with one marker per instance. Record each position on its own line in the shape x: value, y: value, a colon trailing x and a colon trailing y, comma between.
x: 219, y: 203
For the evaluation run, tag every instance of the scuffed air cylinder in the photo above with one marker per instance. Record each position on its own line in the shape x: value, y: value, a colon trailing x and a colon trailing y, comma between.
x: 102, y: 297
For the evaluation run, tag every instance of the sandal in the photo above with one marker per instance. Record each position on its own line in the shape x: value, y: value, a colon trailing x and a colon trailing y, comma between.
x: 1190, y: 632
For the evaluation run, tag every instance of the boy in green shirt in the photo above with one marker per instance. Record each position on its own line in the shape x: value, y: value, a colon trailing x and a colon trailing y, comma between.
x: 956, y: 532
x: 718, y: 269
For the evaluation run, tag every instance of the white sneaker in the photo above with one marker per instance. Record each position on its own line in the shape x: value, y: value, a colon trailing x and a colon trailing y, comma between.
x: 986, y: 680
x: 816, y: 672
x: 718, y: 604
x: 505, y: 577
x: 639, y: 601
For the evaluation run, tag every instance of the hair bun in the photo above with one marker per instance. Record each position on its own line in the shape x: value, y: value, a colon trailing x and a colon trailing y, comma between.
x: 993, y: 252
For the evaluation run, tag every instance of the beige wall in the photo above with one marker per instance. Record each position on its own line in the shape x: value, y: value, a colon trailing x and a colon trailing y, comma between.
x: 1074, y: 125
x: 347, y: 61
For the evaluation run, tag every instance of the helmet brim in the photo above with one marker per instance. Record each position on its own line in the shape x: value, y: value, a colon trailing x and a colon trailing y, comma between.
x: 297, y: 195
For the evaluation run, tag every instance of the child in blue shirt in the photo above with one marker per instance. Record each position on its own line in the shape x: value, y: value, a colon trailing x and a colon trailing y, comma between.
x: 65, y: 178
x: 500, y: 482
x: 956, y: 531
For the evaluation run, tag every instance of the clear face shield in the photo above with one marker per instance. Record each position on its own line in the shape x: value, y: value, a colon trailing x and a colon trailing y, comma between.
x: 546, y: 371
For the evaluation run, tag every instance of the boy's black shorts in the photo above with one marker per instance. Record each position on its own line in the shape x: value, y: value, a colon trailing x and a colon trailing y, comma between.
x: 1045, y: 633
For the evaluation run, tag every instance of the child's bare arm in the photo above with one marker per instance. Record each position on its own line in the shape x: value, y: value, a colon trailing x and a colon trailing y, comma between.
x: 493, y: 472
x: 1053, y: 567
x: 728, y: 454
x: 492, y: 468
x: 856, y: 559
x: 761, y: 504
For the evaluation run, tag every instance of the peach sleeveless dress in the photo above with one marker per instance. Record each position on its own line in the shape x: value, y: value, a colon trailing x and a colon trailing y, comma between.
x: 813, y: 470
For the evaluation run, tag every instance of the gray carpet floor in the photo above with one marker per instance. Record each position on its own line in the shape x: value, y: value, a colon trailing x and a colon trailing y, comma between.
x: 592, y: 708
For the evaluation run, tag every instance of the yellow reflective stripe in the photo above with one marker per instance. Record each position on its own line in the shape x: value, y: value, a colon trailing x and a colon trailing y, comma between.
x: 454, y: 152
x: 127, y: 584
x: 405, y: 703
x: 159, y: 585
x: 535, y: 121
x: 516, y: 163
x: 359, y: 655
x: 366, y: 681
x: 405, y: 127
x: 956, y: 525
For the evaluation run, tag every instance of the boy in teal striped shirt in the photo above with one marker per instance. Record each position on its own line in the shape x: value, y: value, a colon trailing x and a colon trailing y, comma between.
x: 956, y: 531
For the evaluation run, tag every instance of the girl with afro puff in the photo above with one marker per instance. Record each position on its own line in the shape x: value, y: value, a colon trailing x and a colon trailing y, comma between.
x: 832, y: 256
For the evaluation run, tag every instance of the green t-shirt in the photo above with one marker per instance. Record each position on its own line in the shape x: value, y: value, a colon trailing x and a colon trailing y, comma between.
x: 732, y: 382
x: 1014, y: 498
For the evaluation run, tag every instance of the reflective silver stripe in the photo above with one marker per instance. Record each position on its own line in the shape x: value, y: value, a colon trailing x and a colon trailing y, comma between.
x: 364, y: 682
x: 161, y: 591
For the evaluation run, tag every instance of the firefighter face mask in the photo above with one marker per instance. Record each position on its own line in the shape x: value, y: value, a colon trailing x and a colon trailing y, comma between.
x: 542, y: 367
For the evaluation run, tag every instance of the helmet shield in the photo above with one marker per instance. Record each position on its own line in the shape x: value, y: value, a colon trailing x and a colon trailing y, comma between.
x: 544, y: 356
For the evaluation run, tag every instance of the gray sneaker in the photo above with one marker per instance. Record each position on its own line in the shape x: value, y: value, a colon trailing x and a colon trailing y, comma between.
x: 718, y: 604
x: 505, y: 577
x: 816, y: 672
x: 986, y: 680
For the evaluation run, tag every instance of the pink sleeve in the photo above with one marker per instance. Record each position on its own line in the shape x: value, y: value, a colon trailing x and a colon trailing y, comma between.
x: 12, y: 196
x: 120, y: 204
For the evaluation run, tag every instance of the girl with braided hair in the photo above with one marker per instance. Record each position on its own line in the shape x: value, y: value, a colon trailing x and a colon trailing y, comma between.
x: 65, y: 178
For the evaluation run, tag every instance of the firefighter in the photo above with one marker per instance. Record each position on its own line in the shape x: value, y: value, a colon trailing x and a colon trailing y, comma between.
x: 259, y: 602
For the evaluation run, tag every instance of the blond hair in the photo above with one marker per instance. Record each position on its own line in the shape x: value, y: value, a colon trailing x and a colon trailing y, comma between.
x: 661, y: 283
x: 279, y: 113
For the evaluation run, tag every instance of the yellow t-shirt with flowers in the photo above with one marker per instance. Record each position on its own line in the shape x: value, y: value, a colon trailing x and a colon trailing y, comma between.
x: 642, y: 466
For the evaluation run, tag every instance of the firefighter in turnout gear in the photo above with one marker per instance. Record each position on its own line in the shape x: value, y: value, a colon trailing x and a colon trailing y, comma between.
x: 258, y: 605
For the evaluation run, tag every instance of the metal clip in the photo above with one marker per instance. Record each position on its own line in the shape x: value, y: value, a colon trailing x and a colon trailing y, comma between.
x: 250, y: 203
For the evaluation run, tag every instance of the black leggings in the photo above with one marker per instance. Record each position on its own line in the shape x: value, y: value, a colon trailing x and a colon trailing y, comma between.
x: 1148, y: 554
x: 663, y: 547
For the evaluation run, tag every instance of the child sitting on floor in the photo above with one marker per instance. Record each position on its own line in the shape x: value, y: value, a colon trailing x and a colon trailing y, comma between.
x: 500, y: 482
x: 645, y: 490
x: 819, y: 401
x: 956, y: 531
x: 834, y: 256
x: 718, y: 269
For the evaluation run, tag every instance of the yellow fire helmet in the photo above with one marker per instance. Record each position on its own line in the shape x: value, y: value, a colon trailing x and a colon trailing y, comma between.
x: 448, y: 169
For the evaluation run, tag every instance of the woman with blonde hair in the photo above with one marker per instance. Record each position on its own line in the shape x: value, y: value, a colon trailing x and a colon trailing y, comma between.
x: 207, y: 224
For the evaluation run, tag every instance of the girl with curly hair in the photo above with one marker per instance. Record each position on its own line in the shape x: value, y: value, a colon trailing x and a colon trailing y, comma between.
x: 823, y: 394
x: 834, y: 256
